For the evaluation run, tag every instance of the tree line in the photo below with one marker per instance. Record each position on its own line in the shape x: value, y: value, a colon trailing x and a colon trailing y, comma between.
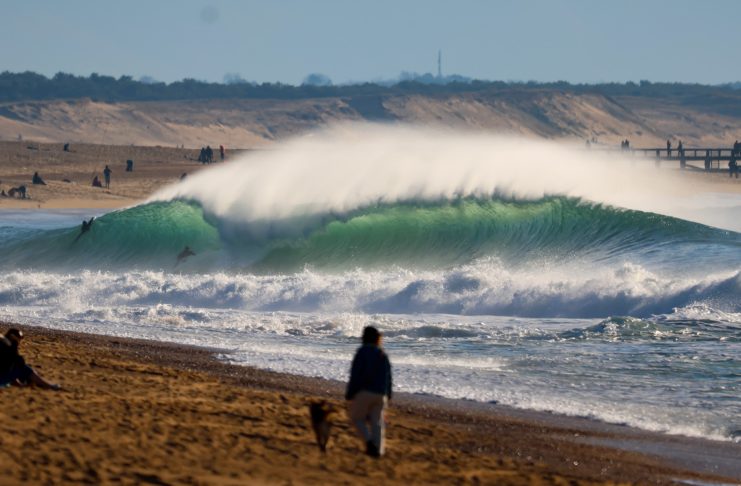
x: 33, y: 86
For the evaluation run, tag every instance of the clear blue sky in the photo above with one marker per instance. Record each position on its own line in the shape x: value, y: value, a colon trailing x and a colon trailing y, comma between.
x: 348, y: 40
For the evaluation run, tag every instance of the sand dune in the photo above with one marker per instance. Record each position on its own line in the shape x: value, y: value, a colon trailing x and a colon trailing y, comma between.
x: 255, y: 123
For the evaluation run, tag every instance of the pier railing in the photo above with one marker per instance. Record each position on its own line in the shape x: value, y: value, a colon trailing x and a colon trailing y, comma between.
x: 715, y: 156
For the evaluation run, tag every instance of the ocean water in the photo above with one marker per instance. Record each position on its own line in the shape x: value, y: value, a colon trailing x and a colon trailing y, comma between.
x: 500, y: 270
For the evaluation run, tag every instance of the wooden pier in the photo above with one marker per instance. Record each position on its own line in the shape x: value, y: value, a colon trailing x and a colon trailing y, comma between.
x: 718, y: 157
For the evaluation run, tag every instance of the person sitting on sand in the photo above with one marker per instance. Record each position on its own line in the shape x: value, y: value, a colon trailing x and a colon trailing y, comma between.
x: 184, y: 254
x: 13, y: 368
x: 96, y: 182
x: 20, y: 190
x: 369, y: 391
x: 37, y: 179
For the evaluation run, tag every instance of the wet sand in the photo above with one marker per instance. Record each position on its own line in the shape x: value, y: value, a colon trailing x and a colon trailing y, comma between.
x: 138, y: 412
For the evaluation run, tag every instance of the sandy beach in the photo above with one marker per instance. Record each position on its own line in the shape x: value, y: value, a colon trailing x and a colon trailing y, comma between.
x: 137, y: 412
x: 69, y: 175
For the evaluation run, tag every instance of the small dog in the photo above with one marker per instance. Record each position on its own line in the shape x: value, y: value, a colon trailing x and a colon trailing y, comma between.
x: 320, y: 413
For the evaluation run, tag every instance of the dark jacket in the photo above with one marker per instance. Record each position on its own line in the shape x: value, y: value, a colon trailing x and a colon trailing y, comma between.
x: 9, y: 356
x: 371, y: 371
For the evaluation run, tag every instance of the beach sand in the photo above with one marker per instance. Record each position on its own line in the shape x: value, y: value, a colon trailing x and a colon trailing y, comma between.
x: 69, y: 175
x: 137, y: 412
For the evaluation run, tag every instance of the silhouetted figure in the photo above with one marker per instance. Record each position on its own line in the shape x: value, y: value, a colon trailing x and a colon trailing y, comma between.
x: 202, y: 155
x: 107, y: 174
x: 369, y: 391
x: 20, y: 191
x: 736, y: 147
x: 708, y: 160
x: 183, y: 255
x: 222, y: 152
x: 668, y: 148
x: 209, y: 154
x: 320, y: 413
x: 733, y: 167
x: 66, y: 147
x: 13, y: 368
x: 85, y: 227
x: 96, y: 182
x: 37, y: 179
x: 129, y: 165
x: 680, y: 149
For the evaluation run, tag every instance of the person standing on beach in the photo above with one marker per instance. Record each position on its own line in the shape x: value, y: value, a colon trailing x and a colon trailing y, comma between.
x: 13, y: 368
x: 668, y: 148
x: 733, y: 167
x: 107, y: 174
x: 369, y: 391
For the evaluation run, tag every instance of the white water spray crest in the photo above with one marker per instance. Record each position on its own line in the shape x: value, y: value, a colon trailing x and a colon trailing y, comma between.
x: 353, y: 166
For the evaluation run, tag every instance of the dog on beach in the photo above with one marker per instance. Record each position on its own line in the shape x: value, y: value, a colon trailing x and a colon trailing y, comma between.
x: 321, y: 413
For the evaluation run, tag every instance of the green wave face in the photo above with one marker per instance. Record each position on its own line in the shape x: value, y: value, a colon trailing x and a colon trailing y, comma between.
x: 417, y: 235
x: 143, y: 236
x: 435, y: 235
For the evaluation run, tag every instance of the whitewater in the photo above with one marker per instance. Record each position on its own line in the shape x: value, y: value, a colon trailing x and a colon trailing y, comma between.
x: 527, y: 273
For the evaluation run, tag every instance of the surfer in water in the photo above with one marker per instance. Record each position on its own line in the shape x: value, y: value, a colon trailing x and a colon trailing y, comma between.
x: 183, y: 255
x: 85, y: 227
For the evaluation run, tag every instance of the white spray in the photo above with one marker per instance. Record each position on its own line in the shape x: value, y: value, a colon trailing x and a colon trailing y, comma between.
x: 348, y: 167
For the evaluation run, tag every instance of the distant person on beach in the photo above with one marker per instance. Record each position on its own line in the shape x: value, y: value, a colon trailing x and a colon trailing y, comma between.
x: 222, y: 152
x: 20, y: 190
x: 708, y: 160
x: 183, y: 255
x: 107, y: 174
x: 733, y: 167
x: 96, y: 182
x: 36, y: 179
x: 680, y: 148
x: 668, y: 148
x: 85, y: 227
x: 209, y: 154
x: 369, y: 391
x: 129, y: 165
x: 13, y: 368
x: 66, y: 147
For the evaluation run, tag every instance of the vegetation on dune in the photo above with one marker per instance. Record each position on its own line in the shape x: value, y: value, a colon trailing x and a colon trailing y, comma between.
x: 29, y: 86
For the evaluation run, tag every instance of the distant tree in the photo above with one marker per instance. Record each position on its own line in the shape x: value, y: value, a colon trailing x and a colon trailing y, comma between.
x: 316, y: 79
x: 234, y: 78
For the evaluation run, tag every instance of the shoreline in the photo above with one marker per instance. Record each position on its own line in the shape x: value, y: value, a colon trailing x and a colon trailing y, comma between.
x: 186, y: 397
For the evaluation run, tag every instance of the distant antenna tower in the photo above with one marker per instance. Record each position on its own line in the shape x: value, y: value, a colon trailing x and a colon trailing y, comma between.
x: 439, y: 63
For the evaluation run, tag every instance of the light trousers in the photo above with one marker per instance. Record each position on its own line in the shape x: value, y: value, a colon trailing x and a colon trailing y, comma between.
x: 366, y: 412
